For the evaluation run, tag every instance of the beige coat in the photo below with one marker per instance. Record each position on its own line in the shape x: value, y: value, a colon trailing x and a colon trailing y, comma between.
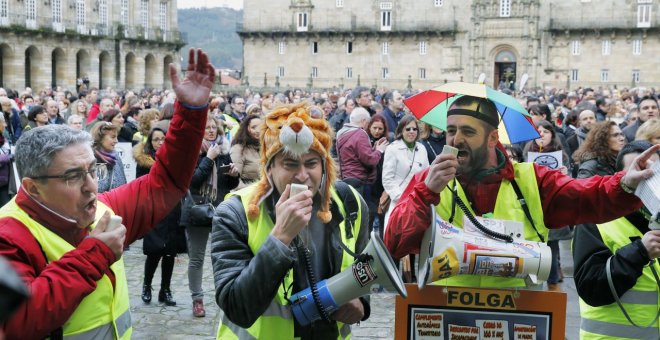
x: 247, y: 162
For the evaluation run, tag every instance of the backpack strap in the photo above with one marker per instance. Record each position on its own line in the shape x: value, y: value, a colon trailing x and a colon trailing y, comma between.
x: 350, y: 206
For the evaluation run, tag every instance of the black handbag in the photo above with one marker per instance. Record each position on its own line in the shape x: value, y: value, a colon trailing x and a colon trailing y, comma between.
x: 195, y: 214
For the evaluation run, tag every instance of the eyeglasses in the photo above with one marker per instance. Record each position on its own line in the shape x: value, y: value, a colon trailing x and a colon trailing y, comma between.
x: 77, y: 177
x: 158, y: 140
x: 411, y: 129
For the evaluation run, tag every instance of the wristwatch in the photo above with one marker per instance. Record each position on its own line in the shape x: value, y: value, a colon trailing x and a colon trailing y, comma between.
x: 625, y: 187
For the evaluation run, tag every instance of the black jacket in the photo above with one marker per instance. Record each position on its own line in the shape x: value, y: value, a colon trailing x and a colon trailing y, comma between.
x: 202, y: 172
x: 590, y: 255
x: 595, y: 167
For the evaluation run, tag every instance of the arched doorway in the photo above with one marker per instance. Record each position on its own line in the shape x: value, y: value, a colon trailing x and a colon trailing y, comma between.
x: 166, y: 71
x: 83, y: 65
x: 505, y: 70
x: 129, y: 72
x: 105, y: 69
x: 32, y: 62
x: 150, y: 71
x: 6, y: 55
x: 58, y: 65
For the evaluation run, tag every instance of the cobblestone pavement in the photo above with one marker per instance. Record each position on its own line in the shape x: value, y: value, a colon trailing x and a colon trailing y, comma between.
x: 156, y: 321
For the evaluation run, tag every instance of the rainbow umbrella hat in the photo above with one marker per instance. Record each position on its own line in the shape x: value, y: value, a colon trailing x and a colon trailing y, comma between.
x: 431, y: 107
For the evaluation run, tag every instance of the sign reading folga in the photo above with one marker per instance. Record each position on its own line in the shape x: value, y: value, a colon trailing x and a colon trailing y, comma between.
x: 440, y: 312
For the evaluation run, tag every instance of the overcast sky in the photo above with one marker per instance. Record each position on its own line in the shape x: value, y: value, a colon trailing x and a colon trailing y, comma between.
x: 236, y: 4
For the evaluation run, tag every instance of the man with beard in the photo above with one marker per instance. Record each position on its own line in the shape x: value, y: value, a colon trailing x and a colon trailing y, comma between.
x: 586, y: 120
x: 481, y: 181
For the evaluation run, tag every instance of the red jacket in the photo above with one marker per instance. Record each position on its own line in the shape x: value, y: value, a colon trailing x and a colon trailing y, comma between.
x: 93, y: 113
x: 357, y: 157
x: 57, y: 288
x: 565, y: 201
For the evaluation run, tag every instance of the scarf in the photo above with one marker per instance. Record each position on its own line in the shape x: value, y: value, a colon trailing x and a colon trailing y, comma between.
x: 209, y: 188
x: 109, y: 158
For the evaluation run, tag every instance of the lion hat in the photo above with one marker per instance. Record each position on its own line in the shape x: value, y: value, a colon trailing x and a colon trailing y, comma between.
x: 292, y: 129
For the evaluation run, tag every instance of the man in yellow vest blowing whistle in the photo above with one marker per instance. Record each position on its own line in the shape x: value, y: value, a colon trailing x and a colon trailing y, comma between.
x: 621, y: 253
x: 481, y: 180
x: 56, y: 234
x: 270, y: 242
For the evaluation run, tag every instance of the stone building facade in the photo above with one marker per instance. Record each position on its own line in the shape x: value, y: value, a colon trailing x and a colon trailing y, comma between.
x: 113, y: 43
x: 422, y: 43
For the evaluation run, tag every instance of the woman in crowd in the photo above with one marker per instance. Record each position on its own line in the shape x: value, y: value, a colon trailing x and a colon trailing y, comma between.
x: 514, y: 152
x: 165, y: 116
x: 433, y: 140
x: 649, y: 131
x: 548, y: 143
x: 245, y: 150
x: 403, y: 159
x: 597, y: 154
x: 146, y: 120
x: 253, y: 109
x: 80, y: 109
x: 167, y: 238
x: 213, y: 178
x: 104, y: 139
x: 116, y: 118
x: 376, y: 130
x: 37, y: 116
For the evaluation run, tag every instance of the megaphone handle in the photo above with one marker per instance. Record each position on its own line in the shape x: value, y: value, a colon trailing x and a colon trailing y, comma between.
x: 309, y: 269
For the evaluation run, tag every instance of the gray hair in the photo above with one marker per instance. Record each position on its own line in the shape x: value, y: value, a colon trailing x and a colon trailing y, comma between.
x: 37, y: 147
x: 355, y: 94
x: 358, y: 115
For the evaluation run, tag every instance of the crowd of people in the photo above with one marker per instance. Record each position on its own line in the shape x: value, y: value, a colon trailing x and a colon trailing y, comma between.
x: 365, y: 137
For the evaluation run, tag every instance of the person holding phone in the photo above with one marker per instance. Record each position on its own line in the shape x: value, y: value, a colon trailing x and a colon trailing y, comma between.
x: 214, y: 176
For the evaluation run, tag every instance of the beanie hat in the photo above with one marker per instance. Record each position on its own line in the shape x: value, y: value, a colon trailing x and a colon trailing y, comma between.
x: 292, y: 130
x: 637, y: 146
x: 480, y: 108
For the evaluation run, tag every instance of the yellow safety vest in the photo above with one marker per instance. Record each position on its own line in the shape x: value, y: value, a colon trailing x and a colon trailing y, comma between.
x: 104, y: 312
x: 507, y: 207
x: 277, y: 321
x: 641, y: 301
x: 233, y: 130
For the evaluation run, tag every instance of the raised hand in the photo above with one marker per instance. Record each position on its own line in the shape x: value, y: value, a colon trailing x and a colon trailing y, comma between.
x: 113, y: 239
x: 195, y: 88
x: 442, y: 170
x: 640, y: 168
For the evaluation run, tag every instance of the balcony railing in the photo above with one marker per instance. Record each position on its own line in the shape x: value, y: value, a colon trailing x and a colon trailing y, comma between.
x: 616, y: 22
x: 46, y: 24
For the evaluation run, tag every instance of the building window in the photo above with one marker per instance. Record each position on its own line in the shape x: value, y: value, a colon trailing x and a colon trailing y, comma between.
x: 315, y: 47
x: 386, y: 5
x: 80, y: 16
x: 637, y: 47
x: 124, y: 13
x: 575, y: 47
x: 349, y: 47
x: 56, y: 7
x: 280, y: 71
x: 103, y: 12
x: 349, y: 73
x: 144, y: 14
x: 386, y: 47
x: 606, y: 49
x: 574, y: 75
x: 162, y: 16
x: 4, y: 9
x: 31, y: 11
x: 422, y: 73
x: 281, y: 47
x: 339, y: 3
x: 422, y: 48
x: 315, y: 72
x: 644, y: 15
x: 635, y: 76
x: 301, y: 22
x: 438, y: 3
x: 386, y: 20
x: 385, y: 73
x: 505, y: 8
x: 604, y: 75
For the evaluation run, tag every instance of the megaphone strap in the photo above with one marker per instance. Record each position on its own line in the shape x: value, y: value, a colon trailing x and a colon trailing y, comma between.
x: 608, y: 271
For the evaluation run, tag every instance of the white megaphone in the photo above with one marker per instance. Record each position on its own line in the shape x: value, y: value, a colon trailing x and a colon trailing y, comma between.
x: 375, y: 273
x: 447, y: 250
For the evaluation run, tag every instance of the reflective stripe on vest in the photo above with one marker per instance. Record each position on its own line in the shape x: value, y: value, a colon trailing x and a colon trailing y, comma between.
x: 103, y: 312
x: 641, y: 301
x: 232, y: 132
x: 278, y: 318
x: 507, y: 207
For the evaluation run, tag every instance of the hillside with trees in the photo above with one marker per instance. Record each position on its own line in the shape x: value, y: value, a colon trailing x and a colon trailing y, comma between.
x: 214, y: 30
